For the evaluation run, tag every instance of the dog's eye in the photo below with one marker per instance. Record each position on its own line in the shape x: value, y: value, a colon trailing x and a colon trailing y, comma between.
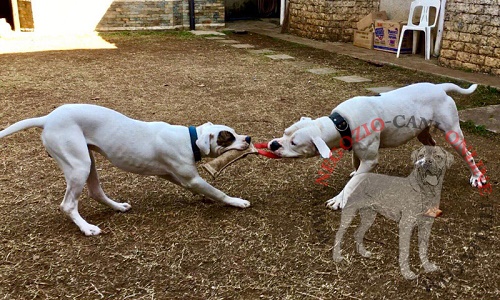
x: 293, y: 143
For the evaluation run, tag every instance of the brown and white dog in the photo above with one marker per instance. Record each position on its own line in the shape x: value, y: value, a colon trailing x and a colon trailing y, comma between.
x: 71, y: 132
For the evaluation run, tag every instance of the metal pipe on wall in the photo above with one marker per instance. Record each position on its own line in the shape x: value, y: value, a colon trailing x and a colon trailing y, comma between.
x: 191, y: 15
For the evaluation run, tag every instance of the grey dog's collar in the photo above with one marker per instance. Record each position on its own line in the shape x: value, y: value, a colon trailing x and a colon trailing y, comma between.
x: 344, y: 130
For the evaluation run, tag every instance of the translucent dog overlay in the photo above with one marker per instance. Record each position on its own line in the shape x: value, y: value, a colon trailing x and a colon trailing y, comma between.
x: 411, y: 201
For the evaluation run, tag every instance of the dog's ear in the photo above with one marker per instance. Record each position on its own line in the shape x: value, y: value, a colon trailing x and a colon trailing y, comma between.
x: 323, y: 149
x: 203, y: 142
x: 449, y: 159
x: 208, y: 124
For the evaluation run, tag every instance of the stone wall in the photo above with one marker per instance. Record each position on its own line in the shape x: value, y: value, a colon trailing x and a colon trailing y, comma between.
x: 331, y: 20
x: 161, y: 14
x: 471, y: 36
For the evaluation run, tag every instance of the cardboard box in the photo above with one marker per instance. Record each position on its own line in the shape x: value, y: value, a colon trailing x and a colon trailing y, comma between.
x: 368, y: 20
x: 363, y: 39
x: 387, y: 34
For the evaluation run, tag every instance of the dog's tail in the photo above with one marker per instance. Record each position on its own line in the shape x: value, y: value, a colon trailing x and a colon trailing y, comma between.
x: 24, y: 124
x: 450, y: 87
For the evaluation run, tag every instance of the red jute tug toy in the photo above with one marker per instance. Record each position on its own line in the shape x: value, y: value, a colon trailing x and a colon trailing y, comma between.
x: 260, y: 149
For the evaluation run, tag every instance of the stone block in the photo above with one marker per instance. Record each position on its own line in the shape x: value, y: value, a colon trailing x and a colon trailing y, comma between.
x: 492, y: 62
x: 471, y: 48
x: 463, y: 56
x: 450, y: 54
x: 458, y: 46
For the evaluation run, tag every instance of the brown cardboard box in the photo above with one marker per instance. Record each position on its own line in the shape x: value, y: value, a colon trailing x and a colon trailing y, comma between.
x: 368, y: 20
x: 387, y: 34
x: 363, y: 39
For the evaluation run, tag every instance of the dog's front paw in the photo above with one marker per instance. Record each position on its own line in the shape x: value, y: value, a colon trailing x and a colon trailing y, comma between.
x: 430, y: 267
x: 123, y: 207
x: 90, y: 230
x: 478, y: 180
x: 408, y: 274
x: 333, y: 203
x: 237, y: 202
x: 336, y: 203
x: 337, y: 257
x: 363, y: 252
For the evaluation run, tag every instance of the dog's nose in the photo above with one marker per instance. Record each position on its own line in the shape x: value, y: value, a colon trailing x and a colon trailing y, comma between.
x: 274, y: 146
x: 248, y: 139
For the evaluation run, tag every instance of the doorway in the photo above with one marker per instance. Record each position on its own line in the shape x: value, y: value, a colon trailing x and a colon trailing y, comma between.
x: 251, y: 9
x: 6, y: 12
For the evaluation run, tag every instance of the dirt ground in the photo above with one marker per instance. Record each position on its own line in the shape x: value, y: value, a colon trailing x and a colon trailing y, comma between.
x: 175, y: 245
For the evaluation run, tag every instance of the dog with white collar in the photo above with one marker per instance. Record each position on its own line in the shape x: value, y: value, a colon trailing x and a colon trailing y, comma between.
x: 366, y: 123
x: 73, y: 131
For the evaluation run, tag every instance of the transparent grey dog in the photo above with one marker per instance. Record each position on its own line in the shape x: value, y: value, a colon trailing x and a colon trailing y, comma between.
x: 411, y: 201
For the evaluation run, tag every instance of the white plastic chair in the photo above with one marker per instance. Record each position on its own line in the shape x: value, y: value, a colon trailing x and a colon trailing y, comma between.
x: 424, y: 24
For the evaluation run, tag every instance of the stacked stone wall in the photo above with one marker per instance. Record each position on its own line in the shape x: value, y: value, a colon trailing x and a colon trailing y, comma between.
x: 471, y: 36
x: 161, y: 14
x: 331, y: 20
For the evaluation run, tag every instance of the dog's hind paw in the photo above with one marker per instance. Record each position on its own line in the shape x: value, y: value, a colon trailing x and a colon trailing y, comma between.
x: 478, y: 180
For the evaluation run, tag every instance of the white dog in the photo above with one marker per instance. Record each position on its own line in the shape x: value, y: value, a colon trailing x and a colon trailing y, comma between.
x: 71, y: 132
x: 411, y: 201
x: 366, y: 124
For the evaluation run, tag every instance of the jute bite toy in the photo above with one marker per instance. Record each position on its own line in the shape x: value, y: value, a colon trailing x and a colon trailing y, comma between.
x: 215, y: 166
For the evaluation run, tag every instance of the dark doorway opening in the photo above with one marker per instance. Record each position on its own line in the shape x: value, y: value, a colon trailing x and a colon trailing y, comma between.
x: 6, y: 12
x: 251, y: 9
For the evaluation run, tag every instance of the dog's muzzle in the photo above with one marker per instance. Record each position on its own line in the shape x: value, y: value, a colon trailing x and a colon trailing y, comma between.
x: 248, y: 139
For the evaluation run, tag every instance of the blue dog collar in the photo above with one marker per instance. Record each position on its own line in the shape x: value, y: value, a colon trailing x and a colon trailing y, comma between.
x: 194, y: 136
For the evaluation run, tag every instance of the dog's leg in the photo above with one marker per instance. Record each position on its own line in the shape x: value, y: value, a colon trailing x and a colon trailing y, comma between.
x: 72, y: 156
x: 96, y: 192
x: 425, y: 137
x: 355, y: 163
x: 347, y: 215
x: 368, y: 161
x: 406, y: 225
x: 367, y: 218
x: 424, y: 232
x: 450, y: 126
x: 197, y: 185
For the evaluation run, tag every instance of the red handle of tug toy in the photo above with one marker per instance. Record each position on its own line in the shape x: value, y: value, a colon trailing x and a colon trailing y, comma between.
x: 261, y: 146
